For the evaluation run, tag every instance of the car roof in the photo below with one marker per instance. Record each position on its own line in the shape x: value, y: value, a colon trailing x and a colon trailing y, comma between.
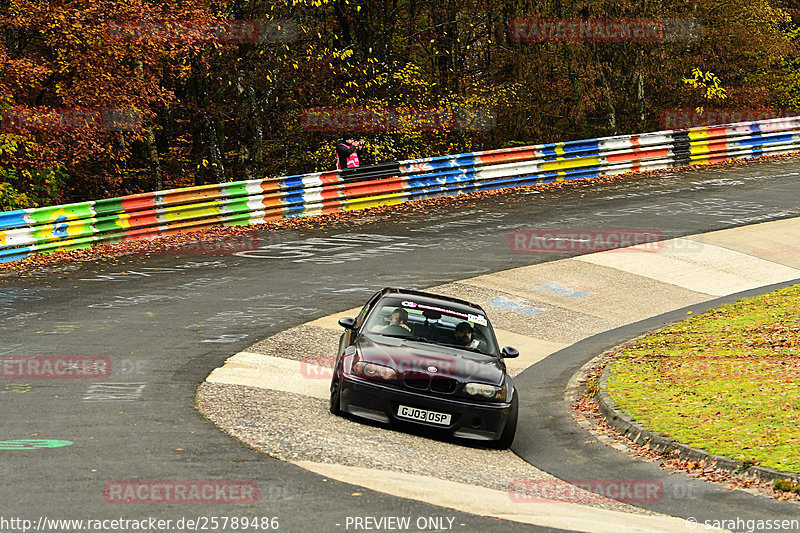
x: 431, y: 298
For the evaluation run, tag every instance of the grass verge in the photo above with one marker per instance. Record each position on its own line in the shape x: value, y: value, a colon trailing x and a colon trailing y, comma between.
x: 727, y: 381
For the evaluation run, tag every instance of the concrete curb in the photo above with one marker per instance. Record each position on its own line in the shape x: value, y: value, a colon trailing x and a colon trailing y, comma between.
x: 638, y: 434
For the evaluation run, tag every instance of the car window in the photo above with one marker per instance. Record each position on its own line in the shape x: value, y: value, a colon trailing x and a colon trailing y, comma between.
x: 432, y: 323
x: 365, y: 310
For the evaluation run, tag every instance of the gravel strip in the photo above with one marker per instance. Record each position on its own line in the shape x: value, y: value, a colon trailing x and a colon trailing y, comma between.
x: 292, y: 427
x: 300, y: 343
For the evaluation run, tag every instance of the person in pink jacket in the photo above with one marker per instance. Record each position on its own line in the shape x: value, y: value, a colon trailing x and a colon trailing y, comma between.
x: 346, y: 156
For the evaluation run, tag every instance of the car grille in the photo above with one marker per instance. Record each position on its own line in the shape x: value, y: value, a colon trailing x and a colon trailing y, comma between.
x: 424, y: 381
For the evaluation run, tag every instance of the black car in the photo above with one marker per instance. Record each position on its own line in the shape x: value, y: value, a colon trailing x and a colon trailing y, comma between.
x: 420, y: 358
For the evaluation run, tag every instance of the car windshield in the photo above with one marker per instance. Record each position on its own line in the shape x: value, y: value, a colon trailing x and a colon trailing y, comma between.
x: 434, y: 323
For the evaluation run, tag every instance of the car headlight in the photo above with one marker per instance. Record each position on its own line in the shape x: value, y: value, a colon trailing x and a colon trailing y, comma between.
x: 490, y: 392
x: 373, y: 371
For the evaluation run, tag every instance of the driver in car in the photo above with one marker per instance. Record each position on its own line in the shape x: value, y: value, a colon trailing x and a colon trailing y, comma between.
x: 398, y: 319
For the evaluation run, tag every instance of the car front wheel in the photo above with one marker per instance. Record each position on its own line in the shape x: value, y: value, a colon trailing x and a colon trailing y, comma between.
x: 336, y: 394
x: 507, y: 437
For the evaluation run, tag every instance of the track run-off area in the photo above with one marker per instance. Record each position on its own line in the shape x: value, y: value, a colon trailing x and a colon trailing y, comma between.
x: 165, y: 322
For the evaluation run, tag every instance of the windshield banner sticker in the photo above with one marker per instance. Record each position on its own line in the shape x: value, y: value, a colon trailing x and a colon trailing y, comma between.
x: 477, y: 319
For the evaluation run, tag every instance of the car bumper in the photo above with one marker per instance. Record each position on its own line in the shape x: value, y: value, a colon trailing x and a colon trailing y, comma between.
x: 469, y: 420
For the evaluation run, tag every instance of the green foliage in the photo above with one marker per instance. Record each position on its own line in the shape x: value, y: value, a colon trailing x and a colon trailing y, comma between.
x: 708, y: 83
x: 592, y: 386
x: 20, y: 189
x: 11, y: 199
x: 786, y: 485
x: 22, y: 184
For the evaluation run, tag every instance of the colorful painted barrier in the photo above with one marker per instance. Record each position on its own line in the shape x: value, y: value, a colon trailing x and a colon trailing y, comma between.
x: 160, y: 213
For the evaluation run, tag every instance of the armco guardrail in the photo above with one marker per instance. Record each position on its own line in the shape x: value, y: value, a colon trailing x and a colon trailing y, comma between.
x: 139, y: 216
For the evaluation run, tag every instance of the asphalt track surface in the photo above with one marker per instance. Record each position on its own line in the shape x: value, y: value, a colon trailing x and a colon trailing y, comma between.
x: 165, y: 321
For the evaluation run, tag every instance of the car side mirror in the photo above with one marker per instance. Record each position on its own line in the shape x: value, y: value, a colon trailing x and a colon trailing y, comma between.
x: 509, y: 353
x: 347, y: 323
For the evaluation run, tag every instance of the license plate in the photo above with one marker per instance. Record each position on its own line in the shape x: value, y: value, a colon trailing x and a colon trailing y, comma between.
x: 423, y: 415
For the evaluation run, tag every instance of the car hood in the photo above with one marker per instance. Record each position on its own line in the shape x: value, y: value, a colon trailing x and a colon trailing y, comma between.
x: 408, y: 356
